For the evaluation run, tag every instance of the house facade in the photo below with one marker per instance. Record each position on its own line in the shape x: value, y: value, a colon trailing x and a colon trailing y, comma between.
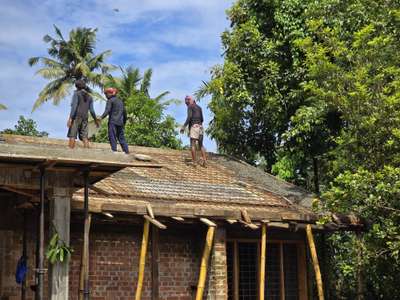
x: 150, y: 226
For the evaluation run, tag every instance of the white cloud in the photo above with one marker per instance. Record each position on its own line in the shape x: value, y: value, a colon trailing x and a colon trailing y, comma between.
x: 179, y: 39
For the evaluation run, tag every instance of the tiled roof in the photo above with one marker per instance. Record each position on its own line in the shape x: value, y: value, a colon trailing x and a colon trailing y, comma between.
x: 174, y: 187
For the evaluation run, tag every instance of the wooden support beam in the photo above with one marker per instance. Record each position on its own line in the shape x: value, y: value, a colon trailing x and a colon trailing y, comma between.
x: 314, y: 257
x: 231, y: 221
x: 208, y: 222
x: 245, y: 216
x: 99, y: 190
x: 261, y: 288
x: 142, y: 260
x: 20, y: 192
x: 204, y: 262
x: 180, y: 219
x: 84, y: 273
x: 150, y: 210
x: 155, y: 222
x: 249, y: 225
x: 278, y: 225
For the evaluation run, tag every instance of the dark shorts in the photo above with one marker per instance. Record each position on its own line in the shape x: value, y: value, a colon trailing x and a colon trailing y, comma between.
x: 79, y: 128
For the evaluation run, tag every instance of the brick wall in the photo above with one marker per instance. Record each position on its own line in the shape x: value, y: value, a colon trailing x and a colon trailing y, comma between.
x: 114, y: 263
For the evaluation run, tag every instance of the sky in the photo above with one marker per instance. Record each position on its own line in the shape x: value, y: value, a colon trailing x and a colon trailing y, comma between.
x: 178, y: 39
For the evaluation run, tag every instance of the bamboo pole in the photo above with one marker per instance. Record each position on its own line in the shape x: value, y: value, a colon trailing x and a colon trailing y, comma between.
x: 142, y: 261
x: 84, y: 273
x: 262, y: 262
x: 314, y: 257
x: 204, y: 262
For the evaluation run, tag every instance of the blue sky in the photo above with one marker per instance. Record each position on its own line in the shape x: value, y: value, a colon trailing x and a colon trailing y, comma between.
x: 178, y: 39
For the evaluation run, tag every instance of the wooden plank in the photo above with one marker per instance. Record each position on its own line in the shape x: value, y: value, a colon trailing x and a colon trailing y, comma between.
x: 278, y: 225
x: 154, y: 263
x: 249, y: 225
x: 261, y: 288
x: 113, y: 207
x: 245, y: 215
x: 314, y: 257
x: 142, y: 260
x: 208, y: 222
x: 99, y: 190
x: 231, y: 221
x: 155, y: 222
x: 204, y: 263
x: 180, y: 219
x: 150, y: 210
x: 20, y: 192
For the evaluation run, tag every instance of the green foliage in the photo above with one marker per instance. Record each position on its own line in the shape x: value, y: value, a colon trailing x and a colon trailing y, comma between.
x: 311, y: 89
x: 68, y: 61
x: 257, y: 92
x: 147, y: 124
x: 27, y: 127
x: 2, y: 106
x: 58, y: 250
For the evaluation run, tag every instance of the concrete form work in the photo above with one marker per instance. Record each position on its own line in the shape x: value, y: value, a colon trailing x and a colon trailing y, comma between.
x: 151, y: 227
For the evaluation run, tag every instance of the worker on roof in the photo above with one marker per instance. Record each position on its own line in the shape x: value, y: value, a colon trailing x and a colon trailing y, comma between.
x: 77, y: 123
x: 115, y: 110
x: 196, y: 131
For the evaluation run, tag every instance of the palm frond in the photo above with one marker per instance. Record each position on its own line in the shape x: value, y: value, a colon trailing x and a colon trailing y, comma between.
x: 33, y: 60
x: 203, y: 91
x: 145, y: 85
x: 51, y: 73
x: 56, y: 90
x: 58, y: 32
x: 47, y: 38
x: 162, y: 95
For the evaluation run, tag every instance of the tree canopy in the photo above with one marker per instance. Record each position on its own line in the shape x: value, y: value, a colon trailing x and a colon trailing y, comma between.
x: 311, y: 89
x: 68, y: 61
x: 147, y: 124
x: 25, y: 126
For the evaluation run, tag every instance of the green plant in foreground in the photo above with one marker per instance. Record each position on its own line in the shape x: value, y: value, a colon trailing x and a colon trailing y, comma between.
x: 58, y: 250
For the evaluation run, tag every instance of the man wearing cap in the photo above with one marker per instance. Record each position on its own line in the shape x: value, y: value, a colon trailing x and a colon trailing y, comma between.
x: 196, y: 131
x: 77, y: 123
x: 115, y: 110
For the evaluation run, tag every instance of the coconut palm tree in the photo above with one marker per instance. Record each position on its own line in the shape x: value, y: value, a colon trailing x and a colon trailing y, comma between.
x: 147, y: 123
x: 68, y: 61
x: 131, y: 83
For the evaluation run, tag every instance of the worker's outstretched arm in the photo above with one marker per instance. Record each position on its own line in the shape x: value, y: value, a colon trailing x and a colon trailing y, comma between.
x: 107, y: 110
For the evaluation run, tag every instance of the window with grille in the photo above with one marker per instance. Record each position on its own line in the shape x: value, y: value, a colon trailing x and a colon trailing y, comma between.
x: 282, y: 270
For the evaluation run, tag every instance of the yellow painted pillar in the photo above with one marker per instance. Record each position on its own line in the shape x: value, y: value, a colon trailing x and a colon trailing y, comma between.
x: 204, y: 262
x: 314, y: 257
x: 142, y: 260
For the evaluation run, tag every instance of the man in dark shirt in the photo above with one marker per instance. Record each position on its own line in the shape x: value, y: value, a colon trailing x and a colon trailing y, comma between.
x: 77, y: 123
x: 196, y: 131
x: 115, y: 110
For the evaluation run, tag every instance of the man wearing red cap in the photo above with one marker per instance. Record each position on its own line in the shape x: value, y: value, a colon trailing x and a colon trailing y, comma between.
x: 196, y: 132
x: 115, y: 110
